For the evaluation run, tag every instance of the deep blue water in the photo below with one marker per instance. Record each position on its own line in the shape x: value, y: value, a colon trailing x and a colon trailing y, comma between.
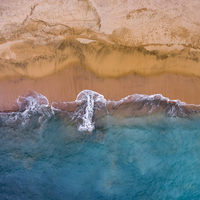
x: 149, y: 157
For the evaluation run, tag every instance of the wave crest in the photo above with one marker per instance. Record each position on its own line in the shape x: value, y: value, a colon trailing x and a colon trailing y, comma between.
x: 89, y: 101
x: 34, y: 103
x: 140, y: 104
x: 90, y: 105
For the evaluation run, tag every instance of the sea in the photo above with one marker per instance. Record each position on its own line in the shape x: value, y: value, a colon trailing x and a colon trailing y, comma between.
x: 141, y: 147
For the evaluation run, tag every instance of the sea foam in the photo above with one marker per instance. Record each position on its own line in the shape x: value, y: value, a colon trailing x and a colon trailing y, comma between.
x: 90, y: 105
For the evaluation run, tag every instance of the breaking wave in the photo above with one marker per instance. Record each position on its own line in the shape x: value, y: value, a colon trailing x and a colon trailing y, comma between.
x: 90, y: 106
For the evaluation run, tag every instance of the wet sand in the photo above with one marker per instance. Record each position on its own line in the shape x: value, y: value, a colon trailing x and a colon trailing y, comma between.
x: 66, y: 84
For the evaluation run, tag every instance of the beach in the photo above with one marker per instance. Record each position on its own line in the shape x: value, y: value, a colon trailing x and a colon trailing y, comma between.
x: 99, y: 99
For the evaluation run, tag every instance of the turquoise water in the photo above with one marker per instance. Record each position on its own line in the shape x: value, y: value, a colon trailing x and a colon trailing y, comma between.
x: 147, y: 157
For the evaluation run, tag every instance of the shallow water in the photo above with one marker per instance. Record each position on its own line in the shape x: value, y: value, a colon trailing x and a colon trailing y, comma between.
x: 44, y: 155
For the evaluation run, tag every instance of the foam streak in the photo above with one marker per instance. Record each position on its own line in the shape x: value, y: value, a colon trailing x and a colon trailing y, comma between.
x: 90, y: 105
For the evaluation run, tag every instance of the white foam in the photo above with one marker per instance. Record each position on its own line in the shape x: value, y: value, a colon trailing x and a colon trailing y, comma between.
x: 34, y: 103
x: 173, y: 106
x: 89, y: 102
x: 90, y: 98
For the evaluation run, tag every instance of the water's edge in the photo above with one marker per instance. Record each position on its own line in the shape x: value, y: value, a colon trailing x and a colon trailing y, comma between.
x: 91, y: 106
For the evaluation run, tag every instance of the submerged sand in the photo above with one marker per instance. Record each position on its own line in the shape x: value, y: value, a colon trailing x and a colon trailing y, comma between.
x: 66, y: 84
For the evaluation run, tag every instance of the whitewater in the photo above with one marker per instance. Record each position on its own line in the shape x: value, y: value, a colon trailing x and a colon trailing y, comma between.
x: 141, y: 147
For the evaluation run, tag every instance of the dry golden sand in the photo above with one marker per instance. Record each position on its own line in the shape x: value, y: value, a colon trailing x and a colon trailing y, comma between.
x: 102, y: 58
x: 66, y: 84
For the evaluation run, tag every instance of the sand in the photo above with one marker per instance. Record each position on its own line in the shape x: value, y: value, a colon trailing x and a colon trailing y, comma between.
x: 117, y: 48
x: 61, y: 70
x: 66, y: 84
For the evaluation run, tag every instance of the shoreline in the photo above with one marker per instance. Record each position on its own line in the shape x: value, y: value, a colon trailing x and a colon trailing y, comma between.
x: 66, y: 84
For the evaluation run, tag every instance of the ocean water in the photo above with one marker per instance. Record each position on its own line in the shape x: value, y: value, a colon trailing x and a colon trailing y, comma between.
x: 142, y: 147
